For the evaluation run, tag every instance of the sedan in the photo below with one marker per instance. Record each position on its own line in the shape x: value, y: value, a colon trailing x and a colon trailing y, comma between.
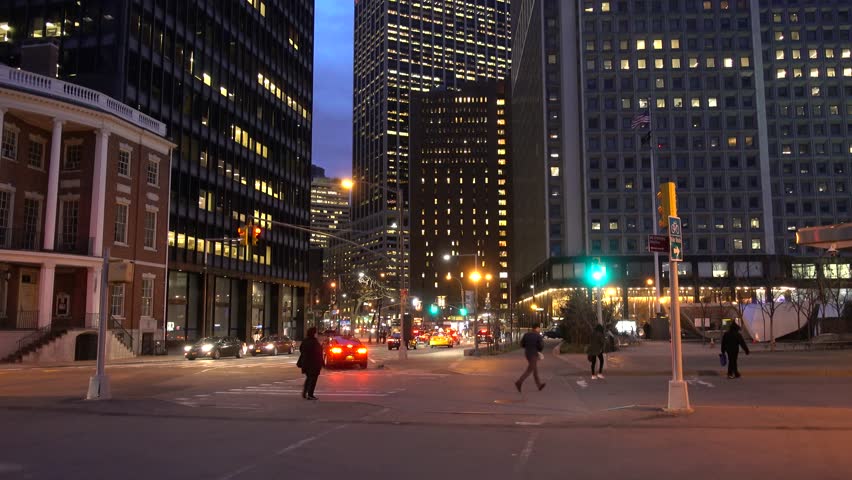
x: 339, y: 351
x: 272, y: 345
x: 396, y: 339
x: 215, y: 348
x: 441, y: 340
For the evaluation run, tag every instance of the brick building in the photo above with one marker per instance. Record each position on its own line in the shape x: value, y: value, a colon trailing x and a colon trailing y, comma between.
x: 80, y: 174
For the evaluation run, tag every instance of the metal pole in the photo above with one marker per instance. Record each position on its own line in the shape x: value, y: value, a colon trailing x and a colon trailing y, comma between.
x: 99, y: 383
x: 476, y: 304
x: 678, y: 393
x: 654, y: 213
x: 600, y: 307
x: 204, y: 290
x: 403, y: 349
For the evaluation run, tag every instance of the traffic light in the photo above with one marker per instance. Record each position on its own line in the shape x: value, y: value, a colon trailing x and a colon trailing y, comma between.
x: 666, y: 204
x: 255, y: 234
x: 433, y: 309
x: 242, y: 231
x: 463, y: 312
x: 597, y: 274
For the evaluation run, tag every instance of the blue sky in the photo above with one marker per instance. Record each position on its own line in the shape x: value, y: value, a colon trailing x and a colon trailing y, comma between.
x: 332, y: 127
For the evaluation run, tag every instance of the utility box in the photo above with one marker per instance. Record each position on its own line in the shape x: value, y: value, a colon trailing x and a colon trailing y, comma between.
x: 120, y: 272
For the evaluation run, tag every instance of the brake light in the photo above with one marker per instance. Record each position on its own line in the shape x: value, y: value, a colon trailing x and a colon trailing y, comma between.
x: 349, y: 346
x: 362, y: 350
x: 336, y: 350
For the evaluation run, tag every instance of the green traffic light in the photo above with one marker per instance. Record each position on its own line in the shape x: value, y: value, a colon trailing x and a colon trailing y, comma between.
x: 463, y: 312
x: 597, y: 275
x: 433, y: 309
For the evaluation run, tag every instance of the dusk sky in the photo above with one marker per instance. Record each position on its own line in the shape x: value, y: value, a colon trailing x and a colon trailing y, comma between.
x: 332, y: 127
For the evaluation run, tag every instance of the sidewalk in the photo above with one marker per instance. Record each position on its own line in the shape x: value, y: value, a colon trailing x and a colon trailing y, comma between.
x: 142, y: 359
x: 654, y: 358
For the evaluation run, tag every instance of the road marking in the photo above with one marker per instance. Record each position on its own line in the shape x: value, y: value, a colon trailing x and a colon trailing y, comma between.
x: 524, y: 457
x: 583, y: 383
x: 318, y: 394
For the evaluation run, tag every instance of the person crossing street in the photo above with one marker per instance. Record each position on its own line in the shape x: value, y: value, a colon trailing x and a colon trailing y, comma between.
x: 533, y: 344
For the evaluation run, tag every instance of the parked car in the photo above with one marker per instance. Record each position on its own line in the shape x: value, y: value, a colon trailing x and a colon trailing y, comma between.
x: 272, y: 345
x: 339, y: 351
x: 215, y: 348
x: 484, y: 336
x: 552, y: 334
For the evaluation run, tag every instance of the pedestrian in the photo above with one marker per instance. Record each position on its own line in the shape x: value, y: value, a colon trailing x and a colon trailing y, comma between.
x: 596, y: 350
x: 310, y: 361
x: 732, y: 340
x: 533, y: 345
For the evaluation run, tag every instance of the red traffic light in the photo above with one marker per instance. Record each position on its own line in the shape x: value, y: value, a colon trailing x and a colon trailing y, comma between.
x: 256, y: 232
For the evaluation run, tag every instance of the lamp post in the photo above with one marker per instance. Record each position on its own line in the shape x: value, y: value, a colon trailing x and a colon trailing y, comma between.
x: 476, y: 273
x: 349, y: 185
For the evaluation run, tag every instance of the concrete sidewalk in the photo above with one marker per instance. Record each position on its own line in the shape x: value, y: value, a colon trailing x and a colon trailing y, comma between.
x: 654, y: 358
x: 171, y: 357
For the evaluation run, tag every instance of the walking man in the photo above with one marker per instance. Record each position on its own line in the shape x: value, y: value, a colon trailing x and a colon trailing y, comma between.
x: 533, y: 345
x: 596, y: 350
x: 310, y: 361
x: 732, y: 340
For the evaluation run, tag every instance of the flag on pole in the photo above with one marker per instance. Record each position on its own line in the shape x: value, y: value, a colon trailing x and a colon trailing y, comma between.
x: 640, y: 120
x: 646, y: 139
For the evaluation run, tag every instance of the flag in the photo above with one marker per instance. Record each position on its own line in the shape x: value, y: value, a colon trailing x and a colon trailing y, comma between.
x: 646, y: 139
x: 640, y: 120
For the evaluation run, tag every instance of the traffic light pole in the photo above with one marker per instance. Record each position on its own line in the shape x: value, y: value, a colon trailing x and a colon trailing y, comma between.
x: 653, y: 212
x: 678, y: 393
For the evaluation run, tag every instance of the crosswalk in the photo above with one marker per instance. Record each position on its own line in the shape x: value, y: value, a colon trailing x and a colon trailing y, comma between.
x: 335, y: 386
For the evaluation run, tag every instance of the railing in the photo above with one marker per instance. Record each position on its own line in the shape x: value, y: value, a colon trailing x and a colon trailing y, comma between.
x: 27, y: 320
x: 20, y: 238
x: 82, y: 95
x: 121, y: 333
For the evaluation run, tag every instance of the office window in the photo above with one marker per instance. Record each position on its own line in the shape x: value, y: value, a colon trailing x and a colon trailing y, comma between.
x: 121, y: 212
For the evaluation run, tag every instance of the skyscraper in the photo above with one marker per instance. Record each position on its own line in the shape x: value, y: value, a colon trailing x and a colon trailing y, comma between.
x: 746, y: 102
x: 233, y: 83
x: 459, y: 196
x: 403, y: 47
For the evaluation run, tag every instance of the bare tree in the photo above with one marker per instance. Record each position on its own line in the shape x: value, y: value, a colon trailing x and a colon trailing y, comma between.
x: 734, y: 300
x: 769, y: 308
x: 802, y: 300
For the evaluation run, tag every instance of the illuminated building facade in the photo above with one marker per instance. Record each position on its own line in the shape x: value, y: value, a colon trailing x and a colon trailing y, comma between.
x: 403, y: 47
x: 459, y: 195
x: 747, y: 103
x: 233, y: 82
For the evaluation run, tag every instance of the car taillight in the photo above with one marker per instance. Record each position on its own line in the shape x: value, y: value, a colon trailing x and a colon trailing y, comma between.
x: 349, y: 346
x: 336, y: 350
x: 362, y: 350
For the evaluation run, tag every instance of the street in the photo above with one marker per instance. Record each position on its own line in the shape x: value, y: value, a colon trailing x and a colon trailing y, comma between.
x: 439, y: 414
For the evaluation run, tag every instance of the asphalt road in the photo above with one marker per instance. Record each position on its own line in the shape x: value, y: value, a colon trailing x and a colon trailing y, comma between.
x: 437, y: 415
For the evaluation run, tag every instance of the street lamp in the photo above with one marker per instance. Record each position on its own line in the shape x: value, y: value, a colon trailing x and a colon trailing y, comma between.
x: 349, y: 184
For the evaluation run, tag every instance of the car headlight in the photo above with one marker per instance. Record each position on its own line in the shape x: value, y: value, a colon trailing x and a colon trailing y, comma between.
x: 207, y: 347
x: 251, y: 346
x: 187, y: 348
x: 269, y: 347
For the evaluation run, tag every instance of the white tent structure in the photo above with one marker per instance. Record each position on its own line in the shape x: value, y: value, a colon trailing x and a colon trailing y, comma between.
x: 757, y: 323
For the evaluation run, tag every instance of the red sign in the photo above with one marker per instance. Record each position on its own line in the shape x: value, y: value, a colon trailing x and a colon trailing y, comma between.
x: 658, y: 243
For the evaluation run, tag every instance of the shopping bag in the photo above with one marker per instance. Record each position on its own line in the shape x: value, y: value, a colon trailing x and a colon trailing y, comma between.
x: 723, y: 359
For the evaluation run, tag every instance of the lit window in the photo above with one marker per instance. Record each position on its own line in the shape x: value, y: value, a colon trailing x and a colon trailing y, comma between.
x: 754, y: 222
x: 813, y: 53
x: 641, y: 64
x: 814, y: 73
x: 732, y: 141
x: 728, y: 62
x: 640, y: 44
x: 711, y: 62
x: 658, y: 44
x: 755, y: 244
x: 745, y: 62
x: 695, y: 102
x: 675, y: 44
x: 779, y: 54
x: 781, y: 73
x: 554, y: 171
x: 661, y: 103
x: 677, y: 102
x: 829, y: 53
x: 712, y: 102
x: 693, y: 62
x: 738, y: 244
x: 625, y: 64
x: 675, y: 63
x: 658, y: 63
x: 604, y: 6
x: 797, y: 54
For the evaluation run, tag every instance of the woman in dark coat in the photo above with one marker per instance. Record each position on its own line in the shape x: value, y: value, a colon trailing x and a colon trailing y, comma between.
x: 596, y: 348
x: 310, y: 361
x: 732, y: 340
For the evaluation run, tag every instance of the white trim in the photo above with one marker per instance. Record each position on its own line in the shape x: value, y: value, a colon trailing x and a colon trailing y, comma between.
x: 150, y: 276
x: 11, y: 127
x: 72, y: 141
x: 34, y: 195
x: 69, y: 196
x: 154, y: 158
x: 125, y: 146
x: 37, y: 138
x: 151, y: 208
x: 149, y: 264
x: 129, y: 151
x: 122, y: 201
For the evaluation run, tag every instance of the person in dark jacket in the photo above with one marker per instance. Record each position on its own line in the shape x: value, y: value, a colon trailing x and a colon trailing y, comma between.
x: 597, y: 344
x: 310, y: 361
x: 532, y: 344
x: 732, y: 340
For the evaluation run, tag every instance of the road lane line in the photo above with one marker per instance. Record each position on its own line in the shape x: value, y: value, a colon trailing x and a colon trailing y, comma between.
x: 289, y: 448
x: 524, y: 457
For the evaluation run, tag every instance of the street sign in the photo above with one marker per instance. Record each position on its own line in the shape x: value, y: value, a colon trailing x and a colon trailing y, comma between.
x: 674, y: 227
x: 675, y: 240
x: 676, y: 251
x: 658, y: 243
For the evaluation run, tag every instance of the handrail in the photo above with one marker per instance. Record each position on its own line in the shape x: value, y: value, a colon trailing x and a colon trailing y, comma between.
x: 86, y: 96
x: 123, y: 336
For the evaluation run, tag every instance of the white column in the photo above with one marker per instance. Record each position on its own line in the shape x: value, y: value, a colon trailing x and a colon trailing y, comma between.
x: 96, y: 215
x: 45, y: 294
x: 52, y: 185
x: 93, y: 296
